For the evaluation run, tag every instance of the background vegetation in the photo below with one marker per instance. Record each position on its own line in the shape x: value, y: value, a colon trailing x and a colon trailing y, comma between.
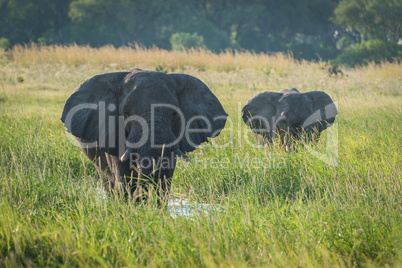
x: 289, y: 210
x: 308, y: 29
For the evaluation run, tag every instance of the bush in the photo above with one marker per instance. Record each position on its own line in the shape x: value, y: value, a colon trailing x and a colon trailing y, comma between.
x: 367, y: 51
x: 181, y: 41
x: 4, y: 43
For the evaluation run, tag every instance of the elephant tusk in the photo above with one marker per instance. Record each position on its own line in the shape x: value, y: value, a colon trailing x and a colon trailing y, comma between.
x: 178, y: 153
x: 125, y: 156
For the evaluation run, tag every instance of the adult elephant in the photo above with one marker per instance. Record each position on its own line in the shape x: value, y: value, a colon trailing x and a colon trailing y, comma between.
x: 133, y: 125
x: 288, y: 114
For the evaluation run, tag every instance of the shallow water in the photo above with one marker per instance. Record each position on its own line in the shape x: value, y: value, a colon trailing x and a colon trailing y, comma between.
x: 175, y: 207
x: 179, y: 208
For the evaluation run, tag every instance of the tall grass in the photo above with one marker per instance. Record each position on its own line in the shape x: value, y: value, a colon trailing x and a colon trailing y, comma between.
x: 267, y: 207
x: 74, y: 55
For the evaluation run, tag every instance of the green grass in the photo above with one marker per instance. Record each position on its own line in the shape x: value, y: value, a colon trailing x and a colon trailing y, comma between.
x: 270, y: 208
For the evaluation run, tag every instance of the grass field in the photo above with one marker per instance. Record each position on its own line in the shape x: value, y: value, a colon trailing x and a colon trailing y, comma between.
x: 267, y: 207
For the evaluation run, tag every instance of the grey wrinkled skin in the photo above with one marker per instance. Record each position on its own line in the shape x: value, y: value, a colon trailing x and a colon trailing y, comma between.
x: 288, y: 114
x: 100, y: 112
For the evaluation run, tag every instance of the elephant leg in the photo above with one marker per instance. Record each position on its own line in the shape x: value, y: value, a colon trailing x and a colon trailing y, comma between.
x: 313, y: 134
x: 114, y: 179
x: 269, y: 137
x: 158, y: 184
x: 262, y: 138
x: 313, y: 137
x: 123, y: 178
x: 164, y: 187
x: 259, y: 139
x: 99, y: 158
x: 160, y: 188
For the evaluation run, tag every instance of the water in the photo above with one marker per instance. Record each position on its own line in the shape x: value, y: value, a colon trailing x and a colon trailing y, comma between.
x: 175, y: 207
x: 179, y: 208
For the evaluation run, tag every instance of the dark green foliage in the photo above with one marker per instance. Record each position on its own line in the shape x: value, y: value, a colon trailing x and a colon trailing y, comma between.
x: 24, y: 21
x: 372, y: 30
x: 372, y: 50
x: 161, y: 68
x: 312, y: 29
x: 4, y: 43
x: 380, y: 19
x: 181, y: 41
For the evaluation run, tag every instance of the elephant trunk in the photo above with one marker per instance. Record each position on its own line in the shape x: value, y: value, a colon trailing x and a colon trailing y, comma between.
x: 154, y: 162
x: 154, y: 151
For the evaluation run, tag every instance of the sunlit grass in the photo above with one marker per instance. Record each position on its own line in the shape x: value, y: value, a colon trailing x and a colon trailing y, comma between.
x: 127, y: 57
x: 270, y: 208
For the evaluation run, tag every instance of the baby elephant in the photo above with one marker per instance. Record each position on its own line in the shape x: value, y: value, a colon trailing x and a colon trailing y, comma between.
x: 288, y: 113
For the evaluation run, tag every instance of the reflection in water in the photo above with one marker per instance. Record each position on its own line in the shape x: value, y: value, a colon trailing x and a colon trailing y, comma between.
x: 179, y: 208
x: 175, y: 207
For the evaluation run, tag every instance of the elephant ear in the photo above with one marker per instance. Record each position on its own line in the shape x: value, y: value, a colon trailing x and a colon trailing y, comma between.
x: 203, y: 114
x: 91, y: 112
x: 260, y: 111
x: 324, y: 110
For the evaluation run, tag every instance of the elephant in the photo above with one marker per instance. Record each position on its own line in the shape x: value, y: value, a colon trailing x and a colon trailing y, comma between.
x: 288, y: 114
x: 134, y: 125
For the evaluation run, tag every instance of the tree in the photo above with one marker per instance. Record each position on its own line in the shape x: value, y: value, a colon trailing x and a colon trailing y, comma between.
x: 132, y: 21
x: 378, y: 19
x: 181, y: 41
x: 302, y: 27
x: 23, y: 21
x: 368, y: 51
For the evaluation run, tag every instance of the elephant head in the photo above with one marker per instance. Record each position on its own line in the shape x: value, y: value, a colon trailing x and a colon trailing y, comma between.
x: 289, y: 113
x: 143, y: 120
